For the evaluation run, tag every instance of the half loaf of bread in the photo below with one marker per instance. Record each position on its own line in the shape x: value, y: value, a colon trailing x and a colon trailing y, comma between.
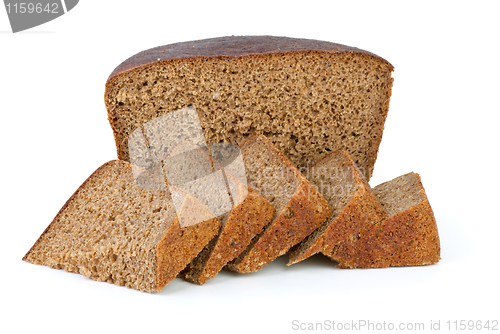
x: 308, y: 97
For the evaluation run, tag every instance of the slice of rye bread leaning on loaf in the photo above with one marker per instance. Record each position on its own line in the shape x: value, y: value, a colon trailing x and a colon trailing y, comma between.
x: 408, y: 237
x: 300, y: 208
x: 354, y: 205
x: 121, y: 227
x: 308, y: 97
x: 250, y: 212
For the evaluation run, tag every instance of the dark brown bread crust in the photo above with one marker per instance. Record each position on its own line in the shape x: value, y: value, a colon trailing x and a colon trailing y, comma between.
x: 359, y: 215
x: 409, y: 238
x: 174, y: 253
x: 233, y: 46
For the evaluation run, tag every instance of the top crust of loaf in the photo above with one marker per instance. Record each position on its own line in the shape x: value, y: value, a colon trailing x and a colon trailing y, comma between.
x: 234, y: 46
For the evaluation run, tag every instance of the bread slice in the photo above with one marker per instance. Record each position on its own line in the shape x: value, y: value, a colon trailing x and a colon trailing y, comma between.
x: 355, y: 207
x: 300, y: 208
x: 308, y: 97
x: 250, y: 213
x: 239, y: 227
x: 408, y: 237
x: 121, y: 227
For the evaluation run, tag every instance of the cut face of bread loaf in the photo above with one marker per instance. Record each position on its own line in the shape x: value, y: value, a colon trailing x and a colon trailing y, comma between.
x: 121, y: 227
x: 408, y: 237
x: 308, y: 97
x: 354, y: 205
x: 300, y: 208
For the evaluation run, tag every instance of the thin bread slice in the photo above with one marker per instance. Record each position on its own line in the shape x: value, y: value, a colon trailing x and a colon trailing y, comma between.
x: 408, y: 237
x: 239, y: 227
x: 354, y: 205
x: 300, y: 208
x: 121, y: 227
x: 250, y: 213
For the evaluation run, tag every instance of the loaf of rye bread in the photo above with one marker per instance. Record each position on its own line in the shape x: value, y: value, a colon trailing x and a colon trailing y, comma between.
x: 308, y: 97
x: 121, y: 227
x: 407, y: 237
x: 300, y: 208
x: 355, y: 207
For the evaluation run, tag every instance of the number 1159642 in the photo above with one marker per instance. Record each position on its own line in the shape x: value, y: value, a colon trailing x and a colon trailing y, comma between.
x: 32, y: 7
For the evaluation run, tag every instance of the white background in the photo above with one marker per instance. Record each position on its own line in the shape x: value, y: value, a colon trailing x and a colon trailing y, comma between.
x: 442, y: 123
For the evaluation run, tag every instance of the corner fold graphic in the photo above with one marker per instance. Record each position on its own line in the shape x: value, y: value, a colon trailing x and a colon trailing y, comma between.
x: 70, y: 4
